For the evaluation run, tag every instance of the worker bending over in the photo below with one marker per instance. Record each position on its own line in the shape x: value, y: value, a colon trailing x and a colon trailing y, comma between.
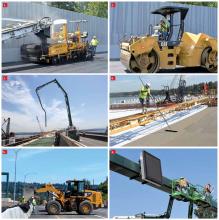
x: 144, y: 96
x: 94, y: 43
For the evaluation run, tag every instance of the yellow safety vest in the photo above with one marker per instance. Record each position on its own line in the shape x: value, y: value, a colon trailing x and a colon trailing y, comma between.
x: 144, y: 92
x: 94, y: 42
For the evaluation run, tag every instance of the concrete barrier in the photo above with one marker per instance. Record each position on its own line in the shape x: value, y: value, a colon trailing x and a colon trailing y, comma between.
x: 66, y: 141
x: 17, y: 212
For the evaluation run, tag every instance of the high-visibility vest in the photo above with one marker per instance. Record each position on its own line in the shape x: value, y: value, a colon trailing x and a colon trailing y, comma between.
x: 94, y: 42
x: 144, y: 92
x: 164, y: 27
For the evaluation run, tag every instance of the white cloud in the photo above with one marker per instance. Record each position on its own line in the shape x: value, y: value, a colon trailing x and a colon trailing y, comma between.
x: 23, y: 119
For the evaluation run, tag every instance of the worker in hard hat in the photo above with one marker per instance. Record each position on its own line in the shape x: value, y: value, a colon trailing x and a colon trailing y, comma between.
x: 94, y: 43
x: 33, y: 202
x: 164, y: 29
x: 22, y: 200
x: 208, y: 190
x: 144, y: 96
x: 183, y: 185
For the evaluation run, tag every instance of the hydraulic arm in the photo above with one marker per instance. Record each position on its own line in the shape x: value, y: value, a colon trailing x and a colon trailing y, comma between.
x: 66, y: 100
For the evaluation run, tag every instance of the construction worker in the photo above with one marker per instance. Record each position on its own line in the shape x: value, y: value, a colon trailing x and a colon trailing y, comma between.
x: 94, y: 43
x: 33, y: 202
x: 144, y: 95
x: 183, y: 185
x: 22, y: 200
x: 208, y: 189
x: 164, y: 29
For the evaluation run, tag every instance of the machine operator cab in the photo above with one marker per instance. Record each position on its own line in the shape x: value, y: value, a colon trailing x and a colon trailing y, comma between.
x: 59, y: 31
x: 75, y: 188
x: 173, y: 22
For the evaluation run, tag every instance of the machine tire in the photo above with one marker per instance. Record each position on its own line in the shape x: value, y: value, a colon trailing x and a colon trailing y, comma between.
x: 205, y: 58
x: 85, y: 208
x: 150, y: 68
x: 53, y: 207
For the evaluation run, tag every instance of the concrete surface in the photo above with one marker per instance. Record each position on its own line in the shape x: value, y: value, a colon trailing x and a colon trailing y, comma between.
x: 98, y: 65
x: 117, y: 67
x: 41, y: 213
x: 49, y: 141
x: 92, y: 142
x: 197, y: 130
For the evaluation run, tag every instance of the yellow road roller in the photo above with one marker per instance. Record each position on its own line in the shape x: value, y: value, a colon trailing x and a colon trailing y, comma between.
x: 167, y: 46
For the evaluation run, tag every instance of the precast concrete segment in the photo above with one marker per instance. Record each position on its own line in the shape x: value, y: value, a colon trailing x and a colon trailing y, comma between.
x: 126, y: 137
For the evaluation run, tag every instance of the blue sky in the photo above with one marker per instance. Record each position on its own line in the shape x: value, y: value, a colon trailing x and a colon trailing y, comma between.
x: 132, y: 83
x: 87, y: 97
x: 57, y: 165
x: 129, y: 197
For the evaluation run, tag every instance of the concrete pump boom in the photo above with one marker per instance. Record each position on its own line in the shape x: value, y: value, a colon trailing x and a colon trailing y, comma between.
x: 66, y: 100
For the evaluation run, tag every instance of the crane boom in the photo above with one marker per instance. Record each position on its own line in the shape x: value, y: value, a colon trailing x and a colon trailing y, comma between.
x: 66, y: 100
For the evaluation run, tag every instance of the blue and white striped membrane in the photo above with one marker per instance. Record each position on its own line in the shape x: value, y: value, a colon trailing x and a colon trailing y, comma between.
x: 126, y: 137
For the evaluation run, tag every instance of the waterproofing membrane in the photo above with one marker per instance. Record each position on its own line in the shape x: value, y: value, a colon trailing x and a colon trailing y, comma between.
x: 126, y: 137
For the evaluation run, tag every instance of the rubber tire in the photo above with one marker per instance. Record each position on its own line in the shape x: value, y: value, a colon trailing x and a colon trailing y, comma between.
x: 206, y: 51
x: 56, y: 204
x: 80, y: 208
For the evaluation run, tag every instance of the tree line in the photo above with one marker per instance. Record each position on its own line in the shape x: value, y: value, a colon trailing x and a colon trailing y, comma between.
x: 99, y: 9
x: 194, y: 89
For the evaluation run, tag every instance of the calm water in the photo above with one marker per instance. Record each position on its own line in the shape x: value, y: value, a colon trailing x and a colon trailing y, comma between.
x: 25, y: 134
x: 131, y: 99
x: 99, y: 130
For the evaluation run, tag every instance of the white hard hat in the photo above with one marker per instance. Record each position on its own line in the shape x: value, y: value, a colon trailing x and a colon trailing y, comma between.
x: 148, y: 84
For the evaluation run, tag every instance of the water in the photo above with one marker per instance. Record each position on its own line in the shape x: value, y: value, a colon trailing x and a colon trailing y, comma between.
x: 25, y: 134
x: 131, y: 99
x: 96, y: 130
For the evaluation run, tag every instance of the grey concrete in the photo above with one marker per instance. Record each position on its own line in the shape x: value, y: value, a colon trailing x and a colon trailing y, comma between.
x: 41, y: 213
x: 35, y: 11
x: 98, y: 65
x: 117, y: 67
x: 92, y: 142
x: 197, y: 130
x: 134, y: 18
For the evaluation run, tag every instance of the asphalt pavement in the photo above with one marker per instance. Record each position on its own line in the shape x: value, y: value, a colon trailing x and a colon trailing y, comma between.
x: 40, y: 212
x: 98, y: 65
x: 117, y: 67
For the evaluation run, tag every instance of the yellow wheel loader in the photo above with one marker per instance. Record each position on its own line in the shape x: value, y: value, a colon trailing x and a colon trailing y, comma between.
x: 156, y: 51
x: 75, y: 198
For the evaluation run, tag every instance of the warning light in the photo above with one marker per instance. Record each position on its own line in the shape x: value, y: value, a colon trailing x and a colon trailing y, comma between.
x: 4, y: 151
x: 113, y: 151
